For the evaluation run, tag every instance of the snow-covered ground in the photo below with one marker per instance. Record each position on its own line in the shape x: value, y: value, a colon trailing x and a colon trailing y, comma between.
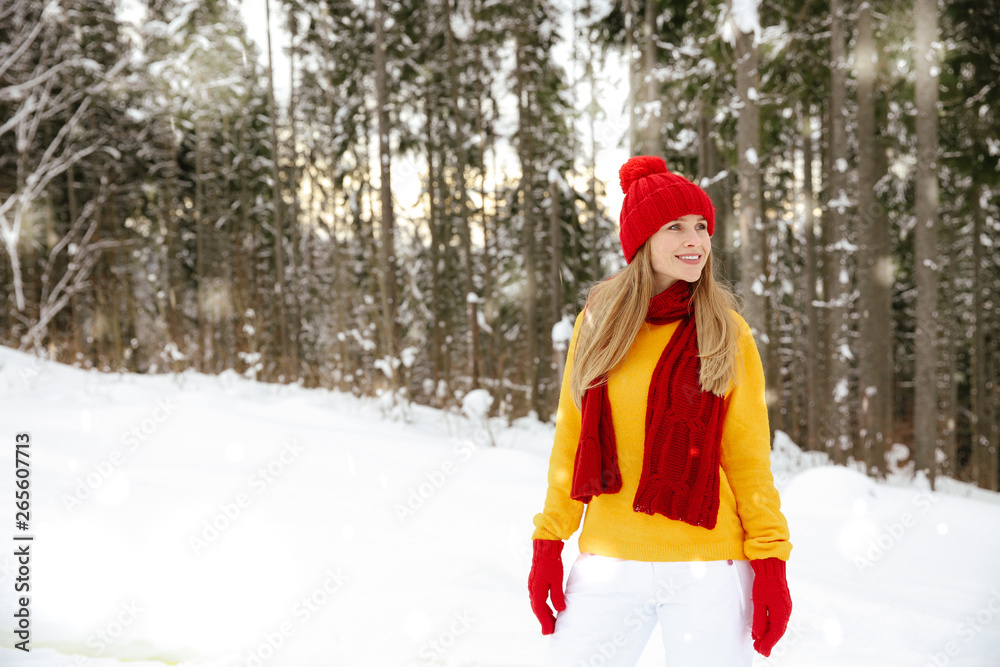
x: 199, y: 520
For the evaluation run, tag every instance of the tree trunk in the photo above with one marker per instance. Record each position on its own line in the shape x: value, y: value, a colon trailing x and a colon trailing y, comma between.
x: 992, y: 406
x: 653, y: 111
x: 633, y: 88
x: 526, y: 152
x: 244, y: 292
x: 951, y: 328
x: 753, y: 242
x: 883, y: 410
x: 592, y: 245
x: 172, y: 258
x: 279, y: 251
x: 926, y: 251
x: 874, y: 265
x: 814, y: 385
x: 825, y: 277
x: 838, y: 279
x: 983, y: 461
x: 708, y: 170
x: 488, y: 358
x: 225, y: 343
x: 77, y: 314
x: 294, y: 292
x: 387, y: 251
x: 555, y: 238
x: 471, y: 302
x: 201, y: 280
x: 436, y: 342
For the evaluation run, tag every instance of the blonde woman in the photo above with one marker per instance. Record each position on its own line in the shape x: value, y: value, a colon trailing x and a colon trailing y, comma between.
x: 662, y: 433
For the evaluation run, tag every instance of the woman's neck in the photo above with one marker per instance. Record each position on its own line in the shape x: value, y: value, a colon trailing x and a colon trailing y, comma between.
x: 663, y: 284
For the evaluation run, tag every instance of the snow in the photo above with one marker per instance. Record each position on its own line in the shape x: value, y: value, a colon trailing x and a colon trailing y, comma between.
x: 743, y: 16
x: 408, y: 355
x: 181, y: 20
x: 746, y: 16
x: 555, y: 177
x: 706, y: 182
x: 840, y: 390
x: 329, y: 535
x: 476, y: 404
x: 684, y: 139
x: 842, y: 202
x: 387, y: 365
x: 844, y: 245
x: 481, y: 321
x: 562, y: 333
x: 9, y: 234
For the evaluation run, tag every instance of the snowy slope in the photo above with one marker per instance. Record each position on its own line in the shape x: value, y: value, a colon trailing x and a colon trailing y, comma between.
x: 203, y: 520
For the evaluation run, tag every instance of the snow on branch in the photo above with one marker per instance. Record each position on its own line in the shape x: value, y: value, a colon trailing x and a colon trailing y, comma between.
x: 34, y: 102
x: 11, y: 53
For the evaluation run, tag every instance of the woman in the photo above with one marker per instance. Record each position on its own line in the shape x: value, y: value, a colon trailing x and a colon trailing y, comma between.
x: 662, y: 430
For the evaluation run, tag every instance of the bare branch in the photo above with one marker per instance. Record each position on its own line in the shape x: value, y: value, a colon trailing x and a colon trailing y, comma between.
x: 87, y: 213
x: 9, y: 60
x: 77, y: 275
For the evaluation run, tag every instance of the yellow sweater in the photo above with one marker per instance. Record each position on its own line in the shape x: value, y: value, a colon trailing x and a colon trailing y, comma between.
x: 750, y: 524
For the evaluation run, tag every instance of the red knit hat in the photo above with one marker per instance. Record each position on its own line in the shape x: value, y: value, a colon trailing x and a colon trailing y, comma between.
x: 654, y: 197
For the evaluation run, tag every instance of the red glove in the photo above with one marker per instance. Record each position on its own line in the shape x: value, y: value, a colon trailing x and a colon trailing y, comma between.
x: 546, y: 578
x: 772, y: 605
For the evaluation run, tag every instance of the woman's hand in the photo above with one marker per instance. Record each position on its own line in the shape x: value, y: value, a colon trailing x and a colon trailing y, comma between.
x: 772, y: 604
x: 546, y: 578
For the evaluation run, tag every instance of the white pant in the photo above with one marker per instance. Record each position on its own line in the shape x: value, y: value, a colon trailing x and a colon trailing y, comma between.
x: 612, y: 605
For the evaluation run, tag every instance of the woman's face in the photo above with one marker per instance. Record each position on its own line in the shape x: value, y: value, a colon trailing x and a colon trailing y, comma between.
x: 679, y: 250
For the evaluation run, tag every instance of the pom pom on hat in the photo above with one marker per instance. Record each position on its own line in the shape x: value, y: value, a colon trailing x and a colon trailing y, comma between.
x: 653, y: 197
x: 639, y: 167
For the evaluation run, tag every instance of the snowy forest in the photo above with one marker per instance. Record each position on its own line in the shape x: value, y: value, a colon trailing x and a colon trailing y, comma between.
x: 163, y: 209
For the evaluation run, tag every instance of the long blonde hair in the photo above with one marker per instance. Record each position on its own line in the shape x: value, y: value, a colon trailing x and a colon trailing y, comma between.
x: 616, y: 310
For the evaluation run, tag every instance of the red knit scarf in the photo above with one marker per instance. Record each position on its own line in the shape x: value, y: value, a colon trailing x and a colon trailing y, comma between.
x: 680, y: 466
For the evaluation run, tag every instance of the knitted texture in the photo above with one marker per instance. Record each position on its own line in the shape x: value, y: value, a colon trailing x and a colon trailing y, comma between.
x: 546, y: 578
x: 772, y: 604
x: 680, y: 475
x: 750, y: 524
x: 653, y: 197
